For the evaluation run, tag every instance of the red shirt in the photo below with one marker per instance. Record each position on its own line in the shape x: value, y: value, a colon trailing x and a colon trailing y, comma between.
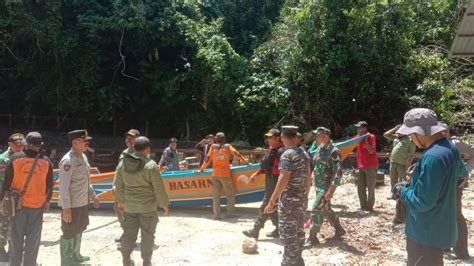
x: 364, y: 158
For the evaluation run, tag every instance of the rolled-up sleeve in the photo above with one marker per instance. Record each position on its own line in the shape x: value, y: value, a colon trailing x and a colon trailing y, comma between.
x: 422, y: 195
x: 65, y: 174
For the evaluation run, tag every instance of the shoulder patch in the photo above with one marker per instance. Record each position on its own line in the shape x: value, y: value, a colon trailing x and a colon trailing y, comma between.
x: 67, y: 167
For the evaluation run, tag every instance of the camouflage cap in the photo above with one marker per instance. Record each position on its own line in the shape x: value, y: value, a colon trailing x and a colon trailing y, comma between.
x: 322, y: 130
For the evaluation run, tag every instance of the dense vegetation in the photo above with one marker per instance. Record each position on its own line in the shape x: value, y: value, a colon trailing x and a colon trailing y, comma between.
x: 198, y: 66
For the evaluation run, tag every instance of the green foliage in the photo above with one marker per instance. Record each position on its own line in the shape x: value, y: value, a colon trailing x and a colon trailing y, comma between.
x: 235, y: 65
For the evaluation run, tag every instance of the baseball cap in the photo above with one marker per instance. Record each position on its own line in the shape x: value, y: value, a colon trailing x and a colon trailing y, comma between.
x: 273, y: 133
x: 132, y: 132
x: 33, y: 139
x: 361, y: 124
x: 16, y: 138
x: 422, y: 121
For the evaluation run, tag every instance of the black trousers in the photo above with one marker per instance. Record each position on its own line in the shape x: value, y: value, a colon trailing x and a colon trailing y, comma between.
x: 270, y: 184
x: 421, y: 255
x: 461, y: 246
x: 79, y: 223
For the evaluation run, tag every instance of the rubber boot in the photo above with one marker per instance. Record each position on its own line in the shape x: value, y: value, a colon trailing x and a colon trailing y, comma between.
x: 77, y: 249
x: 252, y: 233
x: 274, y: 233
x: 66, y: 248
x: 311, y: 241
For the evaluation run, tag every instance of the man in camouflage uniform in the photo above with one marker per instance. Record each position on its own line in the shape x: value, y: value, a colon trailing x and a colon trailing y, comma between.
x: 326, y: 176
x: 15, y: 144
x: 292, y: 191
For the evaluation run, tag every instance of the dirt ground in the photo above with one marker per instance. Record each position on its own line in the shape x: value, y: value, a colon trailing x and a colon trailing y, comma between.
x: 190, y: 237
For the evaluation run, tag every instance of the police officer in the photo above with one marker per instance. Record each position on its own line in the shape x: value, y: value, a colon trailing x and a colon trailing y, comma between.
x: 75, y: 193
x: 326, y: 177
x: 15, y: 144
x: 292, y: 191
x: 130, y: 137
x: 268, y: 166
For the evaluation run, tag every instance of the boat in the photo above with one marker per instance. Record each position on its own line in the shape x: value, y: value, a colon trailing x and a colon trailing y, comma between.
x: 191, y: 189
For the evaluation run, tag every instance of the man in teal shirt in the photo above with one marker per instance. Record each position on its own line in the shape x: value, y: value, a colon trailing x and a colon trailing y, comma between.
x: 15, y: 144
x: 430, y: 198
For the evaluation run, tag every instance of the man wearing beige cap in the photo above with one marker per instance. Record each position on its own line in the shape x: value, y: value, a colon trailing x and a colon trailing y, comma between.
x: 430, y: 197
x: 15, y: 144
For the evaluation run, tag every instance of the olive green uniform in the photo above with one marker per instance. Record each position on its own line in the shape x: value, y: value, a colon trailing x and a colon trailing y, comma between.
x: 138, y: 185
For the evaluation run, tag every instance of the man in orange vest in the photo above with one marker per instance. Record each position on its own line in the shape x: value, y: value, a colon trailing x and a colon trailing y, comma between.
x: 26, y: 225
x: 219, y: 155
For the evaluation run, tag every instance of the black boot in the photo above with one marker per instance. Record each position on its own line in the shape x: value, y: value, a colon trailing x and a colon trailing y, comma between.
x: 127, y: 260
x: 252, y: 233
x: 339, y: 231
x: 273, y: 233
x: 147, y: 262
x: 311, y: 241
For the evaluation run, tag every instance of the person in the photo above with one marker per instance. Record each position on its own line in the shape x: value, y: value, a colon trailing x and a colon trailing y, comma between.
x: 139, y: 192
x: 26, y: 225
x: 466, y: 150
x: 430, y: 197
x: 203, y: 147
x: 269, y: 167
x: 75, y: 193
x: 291, y: 191
x: 169, y: 158
x: 326, y: 177
x: 219, y: 155
x: 15, y: 144
x: 401, y: 157
x: 367, y: 164
x: 130, y: 137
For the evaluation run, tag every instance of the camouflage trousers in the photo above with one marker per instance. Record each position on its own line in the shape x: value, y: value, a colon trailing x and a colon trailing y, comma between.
x: 321, y: 208
x: 4, y: 229
x: 291, y: 229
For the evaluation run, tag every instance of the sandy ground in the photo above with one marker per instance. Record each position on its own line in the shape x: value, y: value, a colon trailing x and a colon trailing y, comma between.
x: 190, y: 237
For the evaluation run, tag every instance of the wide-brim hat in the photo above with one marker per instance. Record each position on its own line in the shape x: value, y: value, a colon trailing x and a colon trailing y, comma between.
x: 422, y: 121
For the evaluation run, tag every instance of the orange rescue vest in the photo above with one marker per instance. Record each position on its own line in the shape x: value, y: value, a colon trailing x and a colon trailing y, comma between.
x: 35, y: 195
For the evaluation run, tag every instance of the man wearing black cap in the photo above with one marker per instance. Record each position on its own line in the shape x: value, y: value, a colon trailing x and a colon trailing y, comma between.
x: 15, y: 144
x: 367, y: 164
x: 169, y: 158
x: 269, y: 167
x: 75, y: 193
x: 31, y: 173
x: 292, y: 191
x: 130, y: 137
